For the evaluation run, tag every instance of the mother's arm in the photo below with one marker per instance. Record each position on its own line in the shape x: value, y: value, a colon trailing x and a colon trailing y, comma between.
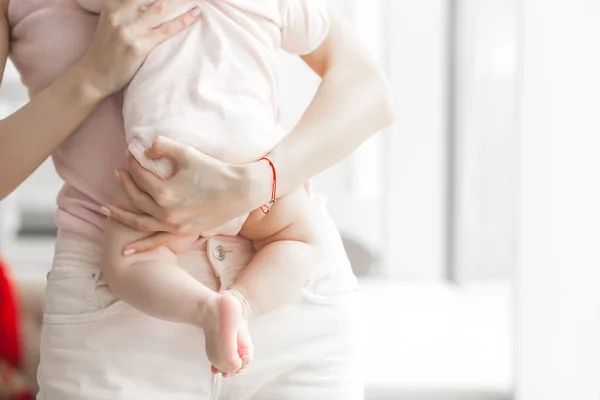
x: 352, y: 102
x: 123, y: 40
x: 29, y: 136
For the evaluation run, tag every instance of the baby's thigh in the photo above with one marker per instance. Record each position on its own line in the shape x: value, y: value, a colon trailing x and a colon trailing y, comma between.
x: 288, y: 219
x: 115, y: 259
x: 118, y: 236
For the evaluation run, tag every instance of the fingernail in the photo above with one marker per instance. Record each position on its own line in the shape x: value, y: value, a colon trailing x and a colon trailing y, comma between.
x: 128, y: 252
x: 195, y: 11
x: 117, y: 174
x: 105, y: 211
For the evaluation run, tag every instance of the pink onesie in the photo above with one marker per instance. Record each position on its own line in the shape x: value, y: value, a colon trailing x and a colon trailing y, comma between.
x: 214, y: 86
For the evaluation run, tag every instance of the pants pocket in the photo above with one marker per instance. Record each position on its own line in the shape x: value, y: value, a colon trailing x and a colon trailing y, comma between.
x: 76, y: 295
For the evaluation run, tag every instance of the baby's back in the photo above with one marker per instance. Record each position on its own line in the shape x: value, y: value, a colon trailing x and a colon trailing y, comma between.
x: 214, y: 86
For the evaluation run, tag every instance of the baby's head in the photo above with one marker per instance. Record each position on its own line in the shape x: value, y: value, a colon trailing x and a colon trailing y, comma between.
x: 94, y: 6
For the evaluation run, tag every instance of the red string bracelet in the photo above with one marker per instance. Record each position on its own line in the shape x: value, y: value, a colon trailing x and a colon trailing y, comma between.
x: 266, y: 208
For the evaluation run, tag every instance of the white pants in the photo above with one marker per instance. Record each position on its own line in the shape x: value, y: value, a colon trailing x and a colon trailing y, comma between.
x: 95, y: 346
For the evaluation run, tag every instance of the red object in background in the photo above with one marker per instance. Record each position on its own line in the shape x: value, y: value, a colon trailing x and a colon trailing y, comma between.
x: 9, y: 327
x: 13, y: 385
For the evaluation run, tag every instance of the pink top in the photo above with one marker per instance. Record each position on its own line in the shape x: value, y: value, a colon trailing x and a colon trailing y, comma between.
x: 48, y: 36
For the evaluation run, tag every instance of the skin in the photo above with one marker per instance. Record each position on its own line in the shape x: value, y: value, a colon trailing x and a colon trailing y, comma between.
x: 123, y: 40
x: 352, y: 102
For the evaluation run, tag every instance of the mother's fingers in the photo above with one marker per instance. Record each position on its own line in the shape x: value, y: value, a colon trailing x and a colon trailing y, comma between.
x: 140, y: 200
x: 154, y: 14
x: 179, y: 153
x: 143, y: 223
x: 158, y: 189
x: 141, y: 176
x: 172, y: 28
x: 145, y: 20
x: 135, y: 7
x: 122, y: 11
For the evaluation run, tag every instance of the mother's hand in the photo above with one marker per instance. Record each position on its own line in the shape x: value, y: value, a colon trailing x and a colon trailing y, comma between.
x: 127, y: 32
x: 203, y: 194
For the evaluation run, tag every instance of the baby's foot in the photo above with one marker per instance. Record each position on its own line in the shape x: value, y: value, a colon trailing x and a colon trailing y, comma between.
x: 228, y: 344
x: 245, y: 347
x: 245, y: 352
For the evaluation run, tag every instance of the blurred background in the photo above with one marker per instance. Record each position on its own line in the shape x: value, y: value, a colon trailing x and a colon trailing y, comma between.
x: 426, y: 208
x: 429, y: 209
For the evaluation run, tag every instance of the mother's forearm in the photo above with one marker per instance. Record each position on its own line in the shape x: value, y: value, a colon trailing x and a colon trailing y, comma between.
x: 352, y: 102
x: 28, y: 136
x: 345, y: 112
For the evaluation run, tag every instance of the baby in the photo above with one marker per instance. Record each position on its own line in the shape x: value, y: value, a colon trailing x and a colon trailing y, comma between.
x: 214, y: 87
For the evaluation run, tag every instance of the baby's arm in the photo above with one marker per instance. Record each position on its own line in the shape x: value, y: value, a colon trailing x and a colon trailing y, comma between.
x: 286, y: 243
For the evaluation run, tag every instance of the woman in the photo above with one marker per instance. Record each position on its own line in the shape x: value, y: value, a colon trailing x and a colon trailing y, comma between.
x: 94, y: 347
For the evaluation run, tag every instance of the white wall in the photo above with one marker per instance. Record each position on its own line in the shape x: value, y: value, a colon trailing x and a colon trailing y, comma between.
x: 415, y: 223
x: 486, y: 139
x: 558, y: 298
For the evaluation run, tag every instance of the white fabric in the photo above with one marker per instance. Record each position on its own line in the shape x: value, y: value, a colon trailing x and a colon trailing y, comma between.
x: 214, y: 86
x: 97, y: 347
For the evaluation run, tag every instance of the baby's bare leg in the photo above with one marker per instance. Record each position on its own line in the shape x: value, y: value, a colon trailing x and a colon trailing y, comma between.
x: 154, y: 284
x: 151, y: 281
x: 286, y: 242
